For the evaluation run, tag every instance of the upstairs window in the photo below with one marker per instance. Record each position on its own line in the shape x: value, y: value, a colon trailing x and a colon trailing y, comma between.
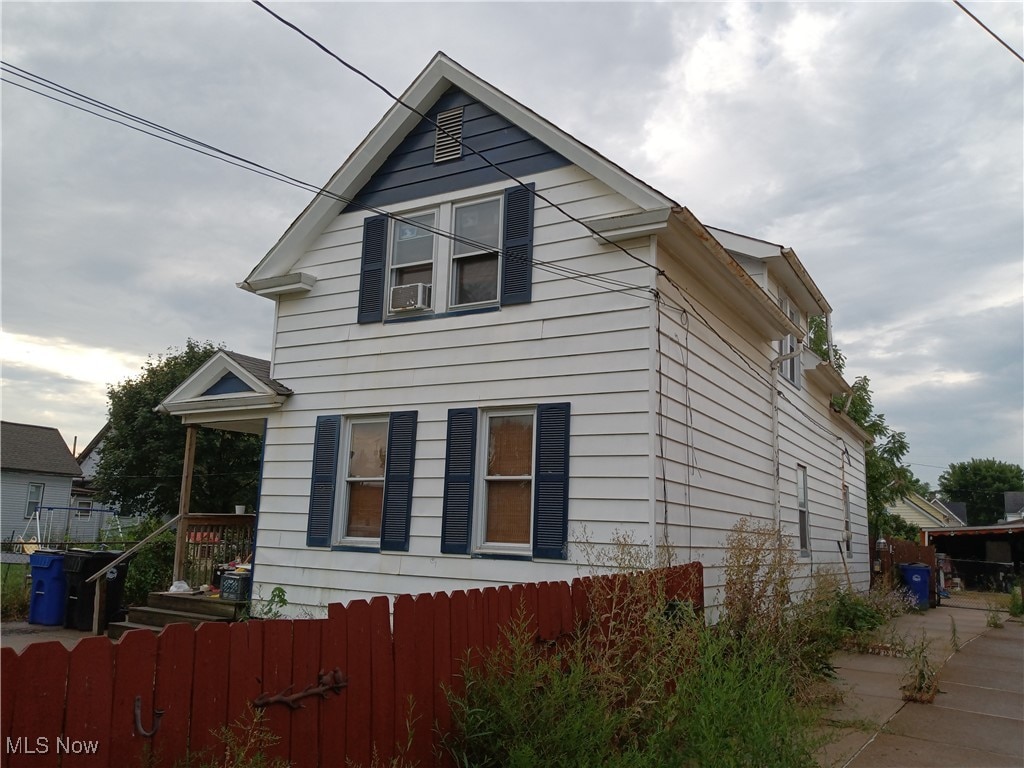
x: 789, y: 368
x: 475, y: 253
x: 411, y: 267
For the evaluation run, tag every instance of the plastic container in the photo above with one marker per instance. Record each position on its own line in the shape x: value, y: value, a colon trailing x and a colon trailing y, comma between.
x: 79, y: 565
x: 46, y: 604
x: 917, y: 577
x: 234, y: 586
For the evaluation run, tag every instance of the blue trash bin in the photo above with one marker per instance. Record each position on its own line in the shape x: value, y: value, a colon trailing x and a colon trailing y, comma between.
x: 46, y: 605
x: 917, y: 576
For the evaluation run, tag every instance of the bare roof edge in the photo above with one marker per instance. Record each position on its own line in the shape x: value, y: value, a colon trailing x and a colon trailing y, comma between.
x: 441, y: 73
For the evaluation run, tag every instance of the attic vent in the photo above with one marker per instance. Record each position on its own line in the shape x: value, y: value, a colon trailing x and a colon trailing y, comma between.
x: 448, y: 143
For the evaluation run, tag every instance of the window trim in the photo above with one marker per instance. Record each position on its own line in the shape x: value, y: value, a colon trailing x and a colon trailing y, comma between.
x: 84, y: 512
x: 803, y: 510
x: 29, y: 511
x: 341, y: 536
x: 790, y: 369
x: 480, y: 544
x: 847, y: 520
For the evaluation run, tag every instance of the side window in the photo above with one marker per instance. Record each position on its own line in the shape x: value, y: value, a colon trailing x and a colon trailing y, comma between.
x: 506, y: 487
x: 83, y: 509
x: 35, y: 498
x: 847, y: 523
x: 790, y: 368
x: 803, y: 512
x: 372, y: 458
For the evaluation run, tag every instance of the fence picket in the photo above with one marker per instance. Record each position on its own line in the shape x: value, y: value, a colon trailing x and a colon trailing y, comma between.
x: 305, y: 672
x: 333, y: 709
x: 245, y: 667
x: 442, y: 671
x: 8, y: 673
x: 210, y: 686
x: 277, y: 676
x: 406, y: 659
x: 358, y: 734
x: 173, y: 682
x: 89, y: 703
x: 134, y: 677
x: 39, y: 713
x: 423, y: 683
x: 382, y: 661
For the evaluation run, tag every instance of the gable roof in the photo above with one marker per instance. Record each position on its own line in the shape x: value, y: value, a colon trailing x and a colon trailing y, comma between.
x: 440, y: 74
x: 30, y: 448
x: 229, y: 391
x: 93, y: 444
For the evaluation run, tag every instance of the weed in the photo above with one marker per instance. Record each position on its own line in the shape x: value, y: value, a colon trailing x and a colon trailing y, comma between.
x: 954, y: 638
x: 271, y: 608
x: 920, y: 681
x: 994, y: 617
x: 243, y: 745
x: 15, y: 591
x: 1016, y: 607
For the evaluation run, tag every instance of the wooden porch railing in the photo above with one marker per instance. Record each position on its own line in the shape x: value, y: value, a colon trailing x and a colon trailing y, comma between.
x: 214, y: 539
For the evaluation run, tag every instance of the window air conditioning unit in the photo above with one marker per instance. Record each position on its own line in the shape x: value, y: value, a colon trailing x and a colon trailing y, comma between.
x: 408, y: 297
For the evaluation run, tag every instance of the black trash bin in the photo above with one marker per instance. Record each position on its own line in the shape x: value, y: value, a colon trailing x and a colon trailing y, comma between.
x: 79, y: 565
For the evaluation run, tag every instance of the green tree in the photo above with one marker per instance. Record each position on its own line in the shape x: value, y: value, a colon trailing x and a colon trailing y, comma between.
x: 981, y: 483
x: 887, y: 479
x: 141, y: 464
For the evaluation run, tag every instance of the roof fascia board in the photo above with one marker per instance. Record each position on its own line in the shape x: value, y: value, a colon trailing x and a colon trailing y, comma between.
x: 208, y: 374
x: 726, y: 267
x: 439, y: 75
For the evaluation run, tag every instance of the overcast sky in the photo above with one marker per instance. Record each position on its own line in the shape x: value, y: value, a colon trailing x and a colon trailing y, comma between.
x: 882, y: 141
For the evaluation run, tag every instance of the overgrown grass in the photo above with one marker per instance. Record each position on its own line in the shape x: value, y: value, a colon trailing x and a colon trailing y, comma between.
x: 642, y: 686
x: 15, y: 591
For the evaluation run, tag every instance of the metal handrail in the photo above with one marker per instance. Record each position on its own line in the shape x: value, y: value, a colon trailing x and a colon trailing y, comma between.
x: 128, y: 553
x: 99, y: 599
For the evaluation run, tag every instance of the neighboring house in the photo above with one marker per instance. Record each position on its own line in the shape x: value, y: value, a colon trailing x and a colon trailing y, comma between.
x: 955, y: 509
x: 36, y: 473
x: 469, y: 387
x: 917, y: 510
x: 91, y: 515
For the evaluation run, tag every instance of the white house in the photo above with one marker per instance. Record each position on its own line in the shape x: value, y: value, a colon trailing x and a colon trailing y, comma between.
x: 495, y: 352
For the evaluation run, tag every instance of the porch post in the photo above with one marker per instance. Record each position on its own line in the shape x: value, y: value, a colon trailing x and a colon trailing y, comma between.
x: 187, y: 468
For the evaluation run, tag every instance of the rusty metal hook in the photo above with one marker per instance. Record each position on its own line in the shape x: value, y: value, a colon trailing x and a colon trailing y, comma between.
x: 157, y: 714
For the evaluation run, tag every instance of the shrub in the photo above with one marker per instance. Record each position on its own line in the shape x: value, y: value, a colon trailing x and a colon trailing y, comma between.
x: 151, y: 569
x: 15, y: 592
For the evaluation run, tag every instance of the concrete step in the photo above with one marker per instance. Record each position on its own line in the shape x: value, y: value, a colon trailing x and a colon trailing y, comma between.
x: 197, y: 604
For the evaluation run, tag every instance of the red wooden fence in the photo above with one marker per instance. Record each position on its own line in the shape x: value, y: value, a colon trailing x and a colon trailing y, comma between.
x: 77, y: 708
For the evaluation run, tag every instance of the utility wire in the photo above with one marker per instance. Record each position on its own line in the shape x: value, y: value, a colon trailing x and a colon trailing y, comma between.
x: 981, y: 24
x: 598, y: 280
x: 458, y: 139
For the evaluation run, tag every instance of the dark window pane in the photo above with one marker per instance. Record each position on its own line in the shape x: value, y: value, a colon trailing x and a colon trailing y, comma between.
x: 477, y: 223
x: 476, y: 279
x: 365, y: 501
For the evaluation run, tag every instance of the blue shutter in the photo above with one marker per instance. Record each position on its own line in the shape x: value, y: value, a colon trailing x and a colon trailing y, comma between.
x: 551, y: 483
x: 371, y: 277
x: 325, y: 478
x: 517, y: 246
x: 398, y: 476
x: 459, y: 465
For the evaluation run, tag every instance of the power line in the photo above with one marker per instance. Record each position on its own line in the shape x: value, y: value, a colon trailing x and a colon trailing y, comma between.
x: 598, y: 280
x: 458, y: 139
x: 981, y: 24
